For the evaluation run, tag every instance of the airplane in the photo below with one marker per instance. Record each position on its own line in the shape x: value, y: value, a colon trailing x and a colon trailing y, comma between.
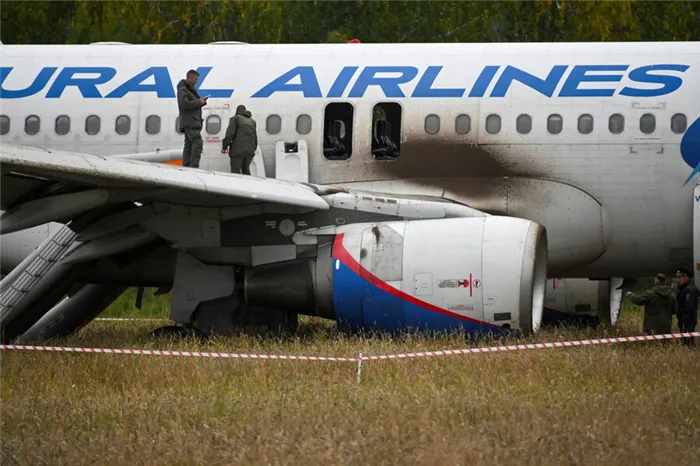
x: 395, y: 186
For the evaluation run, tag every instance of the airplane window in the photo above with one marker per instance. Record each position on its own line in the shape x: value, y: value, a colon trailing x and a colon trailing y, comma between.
x: 213, y: 124
x: 123, y: 125
x: 679, y: 123
x: 463, y: 124
x: 32, y: 125
x: 337, y: 131
x: 303, y: 124
x: 555, y: 123
x: 432, y: 124
x: 4, y: 125
x: 177, y: 126
x: 153, y: 124
x: 616, y: 123
x: 493, y: 124
x: 62, y: 126
x: 92, y: 125
x: 386, y: 131
x: 585, y: 124
x: 523, y: 124
x: 273, y: 125
x: 647, y: 123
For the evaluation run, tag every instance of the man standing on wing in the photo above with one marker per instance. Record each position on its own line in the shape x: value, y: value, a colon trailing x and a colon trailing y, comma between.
x: 241, y: 140
x: 190, y: 106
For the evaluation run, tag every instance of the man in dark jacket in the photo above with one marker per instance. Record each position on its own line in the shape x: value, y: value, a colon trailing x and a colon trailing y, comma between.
x: 658, y: 305
x: 190, y: 105
x: 687, y: 304
x: 241, y: 140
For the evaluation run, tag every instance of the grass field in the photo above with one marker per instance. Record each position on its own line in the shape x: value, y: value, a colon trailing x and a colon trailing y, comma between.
x: 632, y: 403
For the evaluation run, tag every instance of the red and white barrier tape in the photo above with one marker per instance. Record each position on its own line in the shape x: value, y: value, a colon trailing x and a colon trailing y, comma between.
x: 200, y: 354
x: 558, y: 344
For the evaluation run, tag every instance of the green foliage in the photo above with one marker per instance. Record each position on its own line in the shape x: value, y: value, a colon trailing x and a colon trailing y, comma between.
x: 152, y: 306
x: 179, y: 22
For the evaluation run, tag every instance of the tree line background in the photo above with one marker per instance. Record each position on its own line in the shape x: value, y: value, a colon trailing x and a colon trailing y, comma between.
x: 177, y: 22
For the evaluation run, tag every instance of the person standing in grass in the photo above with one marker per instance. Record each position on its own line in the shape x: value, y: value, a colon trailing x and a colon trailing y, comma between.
x: 687, y: 305
x: 658, y: 305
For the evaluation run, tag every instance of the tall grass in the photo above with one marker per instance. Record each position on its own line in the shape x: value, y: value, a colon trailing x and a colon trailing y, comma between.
x: 635, y: 403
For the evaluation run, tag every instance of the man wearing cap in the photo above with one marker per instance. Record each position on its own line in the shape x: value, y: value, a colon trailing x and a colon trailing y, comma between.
x: 658, y: 306
x: 241, y: 140
x: 686, y: 304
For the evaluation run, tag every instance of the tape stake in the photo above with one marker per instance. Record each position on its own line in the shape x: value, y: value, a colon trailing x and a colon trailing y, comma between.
x: 359, y: 368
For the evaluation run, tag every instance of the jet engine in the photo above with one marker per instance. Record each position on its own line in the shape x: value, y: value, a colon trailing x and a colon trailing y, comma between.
x: 478, y: 274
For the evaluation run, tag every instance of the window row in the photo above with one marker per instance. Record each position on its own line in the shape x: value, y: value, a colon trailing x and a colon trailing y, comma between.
x: 93, y: 125
x: 386, y: 127
x: 555, y: 124
x: 122, y: 124
x: 523, y: 124
x: 273, y: 124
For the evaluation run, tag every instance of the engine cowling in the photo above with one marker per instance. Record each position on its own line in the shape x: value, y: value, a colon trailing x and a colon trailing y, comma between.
x: 478, y: 274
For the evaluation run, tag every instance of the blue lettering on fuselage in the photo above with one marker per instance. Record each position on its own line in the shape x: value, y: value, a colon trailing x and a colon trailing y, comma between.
x: 162, y: 84
x: 390, y: 85
x: 87, y: 79
x: 643, y: 75
x: 86, y: 85
x: 544, y: 86
x: 308, y: 83
x: 35, y: 87
x: 578, y: 75
x: 391, y: 81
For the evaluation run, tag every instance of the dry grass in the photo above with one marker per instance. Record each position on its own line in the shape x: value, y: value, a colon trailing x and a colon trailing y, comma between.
x: 635, y: 403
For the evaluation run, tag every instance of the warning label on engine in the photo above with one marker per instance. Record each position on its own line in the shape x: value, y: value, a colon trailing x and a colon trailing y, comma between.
x: 447, y: 283
x: 466, y: 283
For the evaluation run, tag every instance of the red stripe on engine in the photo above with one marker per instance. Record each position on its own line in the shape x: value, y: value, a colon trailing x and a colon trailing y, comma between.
x: 342, y: 254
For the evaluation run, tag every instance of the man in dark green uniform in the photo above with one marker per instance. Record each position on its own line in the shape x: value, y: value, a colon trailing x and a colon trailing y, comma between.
x: 241, y: 140
x: 658, y: 306
x: 190, y: 119
x: 687, y: 304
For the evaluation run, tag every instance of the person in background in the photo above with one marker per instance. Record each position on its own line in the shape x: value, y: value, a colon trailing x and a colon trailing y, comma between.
x: 190, y: 104
x: 241, y: 140
x: 686, y: 304
x: 658, y: 305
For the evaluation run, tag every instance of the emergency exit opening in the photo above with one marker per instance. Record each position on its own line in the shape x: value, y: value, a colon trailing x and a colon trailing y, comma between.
x: 386, y: 131
x: 337, y: 131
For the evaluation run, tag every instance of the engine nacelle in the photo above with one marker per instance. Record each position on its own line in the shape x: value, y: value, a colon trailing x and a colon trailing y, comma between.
x: 478, y: 274
x: 583, y: 297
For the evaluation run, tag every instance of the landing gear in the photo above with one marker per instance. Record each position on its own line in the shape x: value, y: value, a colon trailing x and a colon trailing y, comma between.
x: 583, y: 302
x: 610, y: 302
x: 232, y: 315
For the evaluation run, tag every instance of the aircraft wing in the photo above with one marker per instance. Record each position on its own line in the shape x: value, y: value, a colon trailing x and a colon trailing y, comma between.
x: 31, y: 175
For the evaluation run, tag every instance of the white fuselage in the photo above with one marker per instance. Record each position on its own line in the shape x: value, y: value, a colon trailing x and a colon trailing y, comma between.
x: 605, y: 118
